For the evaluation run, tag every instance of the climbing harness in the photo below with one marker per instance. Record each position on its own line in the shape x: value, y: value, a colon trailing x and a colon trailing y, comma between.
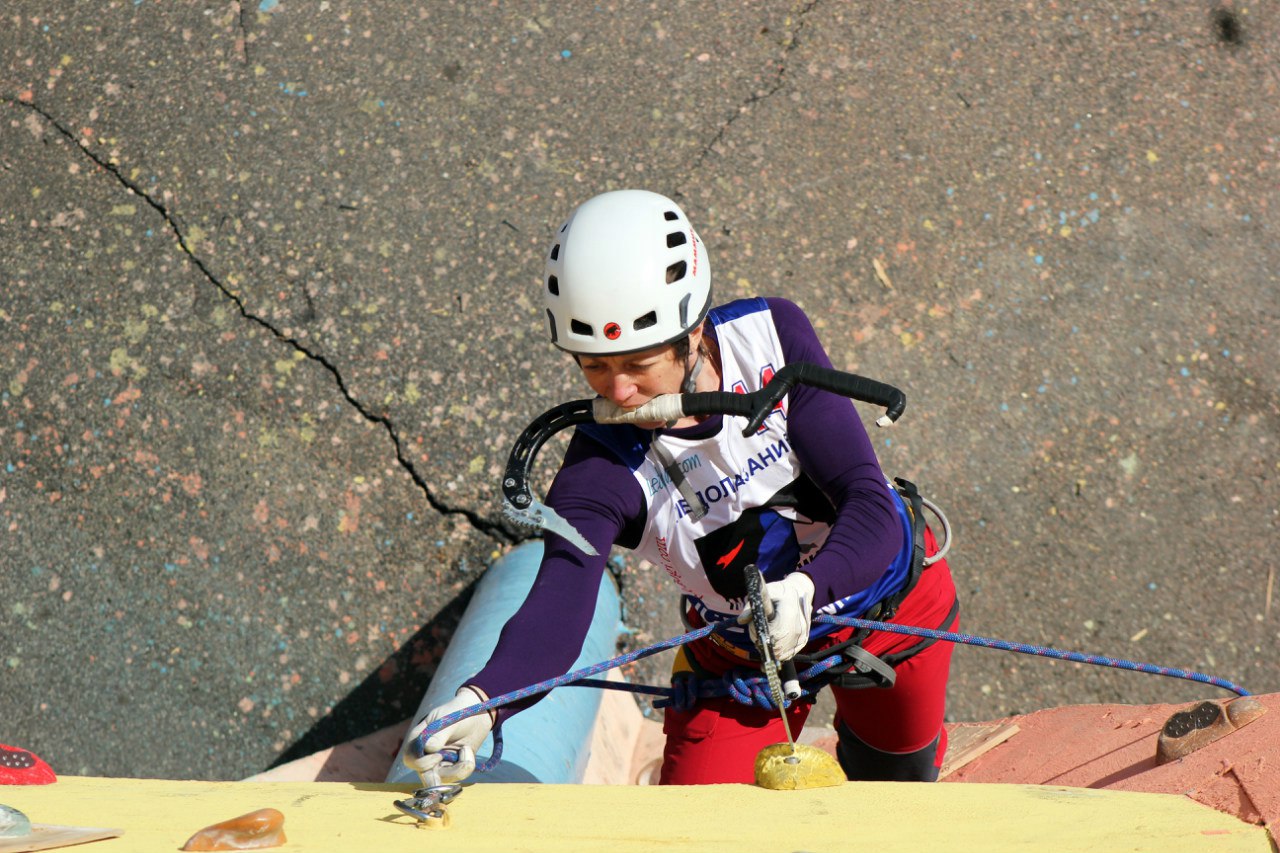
x: 520, y: 506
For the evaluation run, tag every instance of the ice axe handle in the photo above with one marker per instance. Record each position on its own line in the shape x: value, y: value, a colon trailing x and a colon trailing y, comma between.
x: 790, y: 682
x: 787, y: 668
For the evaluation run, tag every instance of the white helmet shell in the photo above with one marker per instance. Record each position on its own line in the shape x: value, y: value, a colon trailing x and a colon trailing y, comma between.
x: 626, y: 272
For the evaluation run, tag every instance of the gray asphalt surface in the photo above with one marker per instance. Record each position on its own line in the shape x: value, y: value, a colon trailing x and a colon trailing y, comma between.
x: 269, y: 325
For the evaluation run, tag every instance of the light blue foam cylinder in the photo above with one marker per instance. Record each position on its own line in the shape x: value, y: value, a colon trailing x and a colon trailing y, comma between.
x: 549, y: 742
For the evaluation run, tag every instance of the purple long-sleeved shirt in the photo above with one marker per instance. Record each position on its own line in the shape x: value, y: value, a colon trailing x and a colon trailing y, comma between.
x: 599, y: 496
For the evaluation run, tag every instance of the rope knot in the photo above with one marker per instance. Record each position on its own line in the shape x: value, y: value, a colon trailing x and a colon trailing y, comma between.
x: 749, y: 687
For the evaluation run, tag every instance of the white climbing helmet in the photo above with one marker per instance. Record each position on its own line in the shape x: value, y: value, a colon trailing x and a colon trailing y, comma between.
x: 626, y: 272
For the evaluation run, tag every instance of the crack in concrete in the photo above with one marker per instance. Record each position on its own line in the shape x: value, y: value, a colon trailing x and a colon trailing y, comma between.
x: 779, y: 81
x: 242, y: 45
x: 500, y: 529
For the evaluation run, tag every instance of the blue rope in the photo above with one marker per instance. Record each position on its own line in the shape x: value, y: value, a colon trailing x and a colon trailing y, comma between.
x: 1039, y: 651
x: 751, y: 690
x: 417, y: 746
x: 742, y: 685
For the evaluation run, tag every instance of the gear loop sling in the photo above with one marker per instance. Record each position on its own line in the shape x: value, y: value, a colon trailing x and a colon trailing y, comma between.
x: 861, y: 668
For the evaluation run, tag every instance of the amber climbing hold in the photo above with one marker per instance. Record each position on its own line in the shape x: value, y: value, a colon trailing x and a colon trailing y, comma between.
x: 263, y: 828
x: 783, y: 767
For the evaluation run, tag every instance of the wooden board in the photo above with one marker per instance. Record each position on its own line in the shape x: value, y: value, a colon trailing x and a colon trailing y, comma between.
x: 159, y: 815
x: 965, y: 742
x: 45, y: 836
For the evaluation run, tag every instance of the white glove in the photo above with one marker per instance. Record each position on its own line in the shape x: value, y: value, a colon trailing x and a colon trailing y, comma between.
x: 464, y: 736
x: 792, y: 599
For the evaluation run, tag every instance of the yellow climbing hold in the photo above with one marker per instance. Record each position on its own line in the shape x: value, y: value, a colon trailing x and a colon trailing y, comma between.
x: 813, y: 769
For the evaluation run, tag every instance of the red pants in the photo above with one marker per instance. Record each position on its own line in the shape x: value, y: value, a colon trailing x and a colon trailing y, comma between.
x: 718, y: 740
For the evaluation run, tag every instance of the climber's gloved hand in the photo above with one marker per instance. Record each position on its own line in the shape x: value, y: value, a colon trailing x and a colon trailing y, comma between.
x: 792, y: 599
x: 463, y: 737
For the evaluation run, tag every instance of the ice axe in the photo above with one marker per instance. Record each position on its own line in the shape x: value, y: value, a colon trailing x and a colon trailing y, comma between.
x: 783, y: 766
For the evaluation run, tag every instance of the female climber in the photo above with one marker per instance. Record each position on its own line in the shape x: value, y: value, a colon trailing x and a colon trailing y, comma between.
x: 627, y: 293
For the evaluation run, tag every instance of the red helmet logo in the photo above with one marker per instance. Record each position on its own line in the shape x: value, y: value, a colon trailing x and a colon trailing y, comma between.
x: 612, y: 331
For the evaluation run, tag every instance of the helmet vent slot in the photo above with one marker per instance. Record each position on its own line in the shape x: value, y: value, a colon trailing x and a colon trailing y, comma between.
x: 676, y: 238
x: 555, y: 252
x: 650, y: 319
x: 580, y: 328
x: 551, y: 321
x: 676, y: 271
x: 671, y: 216
x: 684, y: 310
x: 553, y: 285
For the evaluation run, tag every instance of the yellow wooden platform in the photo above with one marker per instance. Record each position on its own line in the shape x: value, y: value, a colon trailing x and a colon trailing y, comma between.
x: 158, y: 815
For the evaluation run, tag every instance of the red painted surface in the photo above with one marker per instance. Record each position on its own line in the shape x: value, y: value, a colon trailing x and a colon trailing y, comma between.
x: 1114, y: 746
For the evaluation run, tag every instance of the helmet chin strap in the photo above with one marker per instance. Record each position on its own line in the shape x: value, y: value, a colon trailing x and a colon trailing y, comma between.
x: 690, y: 382
x: 691, y: 376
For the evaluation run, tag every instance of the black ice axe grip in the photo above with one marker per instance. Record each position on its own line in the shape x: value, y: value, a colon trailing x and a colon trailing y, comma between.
x: 755, y: 406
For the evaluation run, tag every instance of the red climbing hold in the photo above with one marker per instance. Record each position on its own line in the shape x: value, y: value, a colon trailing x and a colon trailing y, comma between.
x: 20, y: 767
